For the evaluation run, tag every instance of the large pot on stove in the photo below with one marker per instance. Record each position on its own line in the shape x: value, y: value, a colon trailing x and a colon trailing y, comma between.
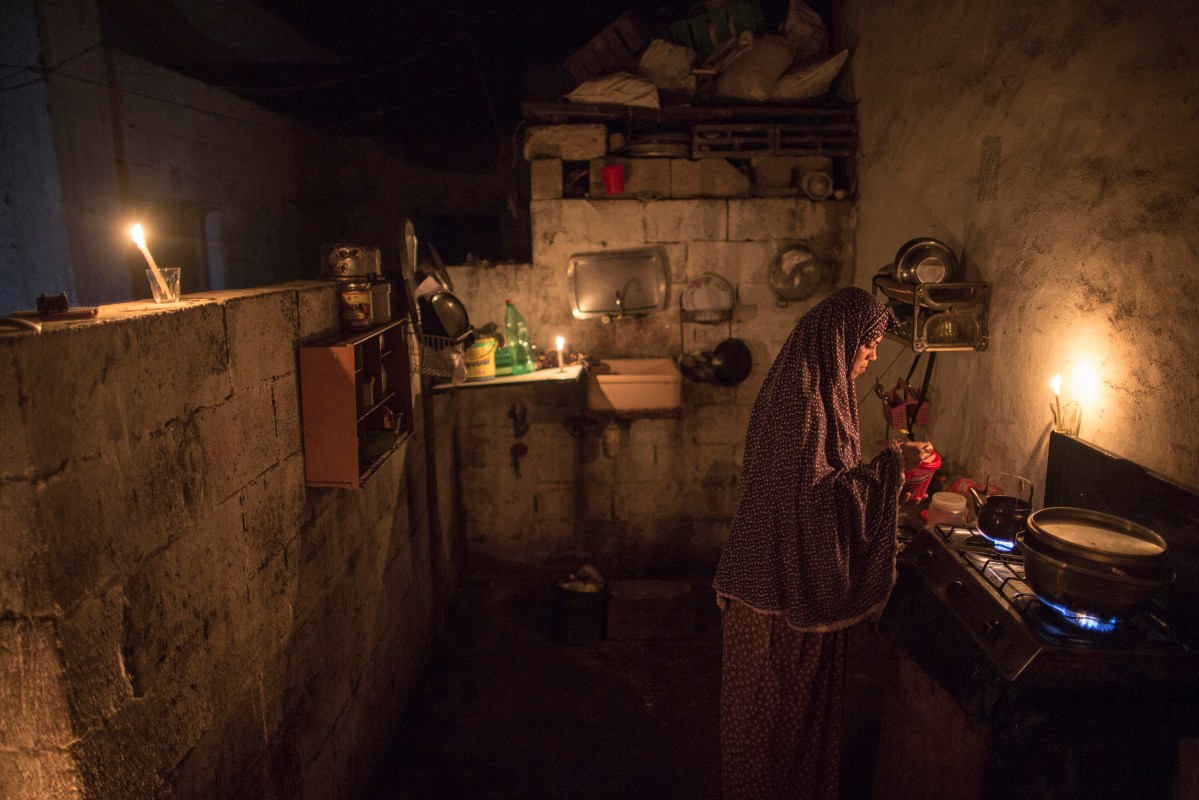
x: 1092, y: 562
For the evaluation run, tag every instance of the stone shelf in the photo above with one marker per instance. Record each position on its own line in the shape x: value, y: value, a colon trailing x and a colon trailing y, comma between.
x: 552, y: 375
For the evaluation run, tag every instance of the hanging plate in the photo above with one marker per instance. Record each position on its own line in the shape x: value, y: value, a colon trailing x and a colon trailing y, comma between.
x: 707, y: 298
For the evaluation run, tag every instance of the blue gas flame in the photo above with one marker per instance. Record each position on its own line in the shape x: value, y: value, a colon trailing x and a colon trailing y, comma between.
x: 1088, y: 622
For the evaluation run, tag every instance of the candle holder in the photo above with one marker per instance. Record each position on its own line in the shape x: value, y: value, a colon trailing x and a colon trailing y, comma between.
x: 1067, y: 417
x: 165, y: 285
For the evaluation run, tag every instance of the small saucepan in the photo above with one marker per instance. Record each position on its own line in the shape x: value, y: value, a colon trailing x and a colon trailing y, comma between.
x: 1003, y: 511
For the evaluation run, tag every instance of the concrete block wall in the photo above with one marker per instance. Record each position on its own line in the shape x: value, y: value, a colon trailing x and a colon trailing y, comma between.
x: 1063, y: 178
x: 179, y: 615
x: 665, y: 498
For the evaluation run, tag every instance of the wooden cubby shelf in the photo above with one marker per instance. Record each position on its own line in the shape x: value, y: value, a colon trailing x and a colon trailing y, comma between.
x: 350, y: 385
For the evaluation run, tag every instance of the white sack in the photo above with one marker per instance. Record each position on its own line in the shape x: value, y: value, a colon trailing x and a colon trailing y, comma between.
x: 809, y: 81
x: 669, y: 65
x: 804, y: 29
x: 753, y: 73
x: 621, y: 88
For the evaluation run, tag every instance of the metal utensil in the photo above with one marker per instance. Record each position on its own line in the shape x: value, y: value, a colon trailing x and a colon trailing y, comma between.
x: 438, y: 272
x: 409, y: 265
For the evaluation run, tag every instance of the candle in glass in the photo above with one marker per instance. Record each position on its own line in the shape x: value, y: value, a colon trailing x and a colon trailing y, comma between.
x: 139, y: 238
x: 559, y: 342
x: 1057, y: 398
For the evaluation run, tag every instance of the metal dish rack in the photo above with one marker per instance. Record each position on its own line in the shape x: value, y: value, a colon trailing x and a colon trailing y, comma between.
x: 938, y: 316
x: 437, y: 355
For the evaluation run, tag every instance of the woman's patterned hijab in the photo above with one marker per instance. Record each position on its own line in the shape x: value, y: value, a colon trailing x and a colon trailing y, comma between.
x: 813, y: 536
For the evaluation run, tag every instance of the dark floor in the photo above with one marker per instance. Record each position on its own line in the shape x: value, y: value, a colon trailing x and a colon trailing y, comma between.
x: 505, y: 712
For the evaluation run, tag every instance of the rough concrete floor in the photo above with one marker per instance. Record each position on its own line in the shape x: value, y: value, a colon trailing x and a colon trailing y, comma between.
x: 504, y: 712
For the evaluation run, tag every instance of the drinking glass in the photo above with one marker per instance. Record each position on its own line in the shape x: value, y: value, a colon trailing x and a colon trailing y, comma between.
x: 166, y: 291
x: 1067, y: 418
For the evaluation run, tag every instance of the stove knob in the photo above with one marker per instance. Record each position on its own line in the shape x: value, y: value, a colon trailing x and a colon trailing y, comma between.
x: 926, y: 558
x: 956, y: 590
x: 993, y: 630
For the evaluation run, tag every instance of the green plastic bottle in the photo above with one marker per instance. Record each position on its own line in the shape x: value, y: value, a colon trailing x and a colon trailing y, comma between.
x: 518, y: 340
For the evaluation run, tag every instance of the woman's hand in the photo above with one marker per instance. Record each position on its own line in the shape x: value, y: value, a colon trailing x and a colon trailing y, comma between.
x: 914, y: 453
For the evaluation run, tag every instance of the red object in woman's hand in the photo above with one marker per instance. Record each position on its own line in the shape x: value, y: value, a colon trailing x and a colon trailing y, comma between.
x: 916, y: 479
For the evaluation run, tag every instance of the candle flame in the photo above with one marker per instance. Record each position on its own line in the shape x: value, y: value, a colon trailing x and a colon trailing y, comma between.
x: 138, y: 235
x: 1057, y: 384
x: 559, y: 342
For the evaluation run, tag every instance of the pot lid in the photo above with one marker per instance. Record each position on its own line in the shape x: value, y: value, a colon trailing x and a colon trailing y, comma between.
x: 795, y: 274
x: 1098, y: 533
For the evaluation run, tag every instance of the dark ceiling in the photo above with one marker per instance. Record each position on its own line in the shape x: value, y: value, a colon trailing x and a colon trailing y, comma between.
x: 438, y: 84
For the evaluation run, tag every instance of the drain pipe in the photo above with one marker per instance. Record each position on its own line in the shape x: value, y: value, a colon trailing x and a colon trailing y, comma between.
x: 610, y: 437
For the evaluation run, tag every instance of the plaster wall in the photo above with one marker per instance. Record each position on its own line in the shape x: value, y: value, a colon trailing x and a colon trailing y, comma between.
x: 663, y: 496
x: 179, y: 615
x: 33, y: 236
x: 1053, y: 151
x: 107, y: 139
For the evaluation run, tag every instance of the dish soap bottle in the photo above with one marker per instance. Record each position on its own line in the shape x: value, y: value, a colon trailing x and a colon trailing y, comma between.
x: 518, y: 340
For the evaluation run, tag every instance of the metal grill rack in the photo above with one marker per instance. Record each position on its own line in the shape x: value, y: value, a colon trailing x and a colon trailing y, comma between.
x: 828, y: 137
x: 437, y: 355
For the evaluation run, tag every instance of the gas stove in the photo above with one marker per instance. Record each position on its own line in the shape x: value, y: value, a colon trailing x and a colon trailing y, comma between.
x: 1046, y: 702
x: 976, y: 586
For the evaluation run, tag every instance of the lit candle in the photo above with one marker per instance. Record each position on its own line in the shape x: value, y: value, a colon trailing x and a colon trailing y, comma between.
x: 1057, y: 397
x: 559, y: 342
x: 139, y: 238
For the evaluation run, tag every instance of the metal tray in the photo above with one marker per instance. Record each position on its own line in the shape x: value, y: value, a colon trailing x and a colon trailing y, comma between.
x: 618, y: 283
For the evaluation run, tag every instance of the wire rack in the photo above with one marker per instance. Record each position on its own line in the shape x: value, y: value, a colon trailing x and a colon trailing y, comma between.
x: 438, y: 355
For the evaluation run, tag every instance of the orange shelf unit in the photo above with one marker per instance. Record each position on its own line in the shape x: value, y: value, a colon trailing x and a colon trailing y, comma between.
x: 352, y: 387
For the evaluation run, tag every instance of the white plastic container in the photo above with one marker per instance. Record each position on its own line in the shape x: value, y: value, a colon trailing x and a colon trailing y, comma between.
x: 947, y: 508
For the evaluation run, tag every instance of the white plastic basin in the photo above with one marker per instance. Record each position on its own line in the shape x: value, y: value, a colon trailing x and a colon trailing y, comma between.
x: 635, y: 386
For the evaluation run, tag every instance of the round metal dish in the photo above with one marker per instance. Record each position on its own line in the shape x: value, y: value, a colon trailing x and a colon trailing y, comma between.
x: 662, y: 145
x: 925, y: 261
x: 795, y: 274
x: 444, y: 317
x: 707, y: 298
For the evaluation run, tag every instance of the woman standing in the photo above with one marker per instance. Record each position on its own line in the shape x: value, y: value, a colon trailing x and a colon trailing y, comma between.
x: 811, y: 552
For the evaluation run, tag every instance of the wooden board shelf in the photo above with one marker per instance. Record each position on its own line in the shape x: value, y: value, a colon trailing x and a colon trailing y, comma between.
x: 338, y: 426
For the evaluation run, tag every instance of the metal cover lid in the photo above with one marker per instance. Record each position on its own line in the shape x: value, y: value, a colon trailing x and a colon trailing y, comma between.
x: 1092, y: 531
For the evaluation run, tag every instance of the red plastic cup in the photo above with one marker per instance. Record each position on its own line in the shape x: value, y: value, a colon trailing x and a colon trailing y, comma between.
x: 613, y: 176
x: 917, y: 479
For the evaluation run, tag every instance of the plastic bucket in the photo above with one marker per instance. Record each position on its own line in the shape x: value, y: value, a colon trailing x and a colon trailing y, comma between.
x: 480, y: 360
x: 578, y: 617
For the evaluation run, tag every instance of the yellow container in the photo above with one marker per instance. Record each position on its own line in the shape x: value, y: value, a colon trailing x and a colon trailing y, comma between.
x: 480, y: 359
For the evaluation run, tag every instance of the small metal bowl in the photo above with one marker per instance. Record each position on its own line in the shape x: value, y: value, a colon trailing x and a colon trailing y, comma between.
x: 925, y: 261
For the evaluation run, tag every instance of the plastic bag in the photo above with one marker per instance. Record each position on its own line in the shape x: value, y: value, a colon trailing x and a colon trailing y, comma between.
x: 753, y: 73
x: 669, y: 67
x: 804, y: 29
x: 620, y: 88
x: 810, y: 81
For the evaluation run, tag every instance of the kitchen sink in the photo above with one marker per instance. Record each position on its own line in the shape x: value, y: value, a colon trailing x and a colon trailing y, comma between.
x: 634, y: 387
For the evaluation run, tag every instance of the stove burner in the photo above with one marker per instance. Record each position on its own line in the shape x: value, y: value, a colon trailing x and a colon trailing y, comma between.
x: 974, y: 538
x: 1085, y: 621
x: 1000, y: 545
